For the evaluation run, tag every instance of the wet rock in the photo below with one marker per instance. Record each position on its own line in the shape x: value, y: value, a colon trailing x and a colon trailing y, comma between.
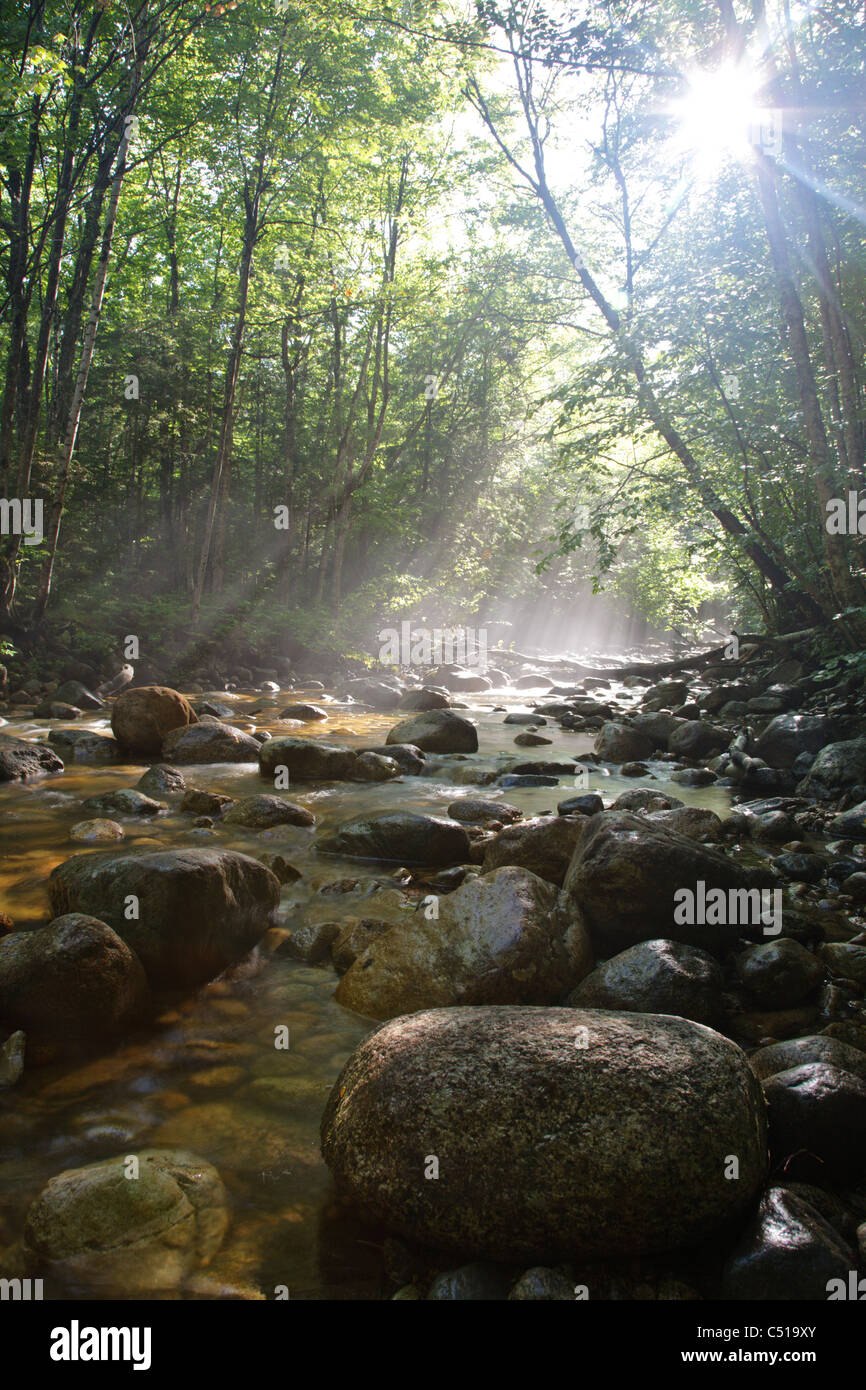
x: 692, y: 821
x: 619, y: 743
x: 99, y: 1229
x: 788, y: 1252
x: 657, y: 727
x: 409, y: 758
x: 308, y: 713
x: 422, y: 699
x: 805, y: 868
x: 470, y: 1282
x: 798, y: 1052
x: 854, y: 886
x: 161, y: 780
x: 84, y: 746
x: 436, y: 731
x: 530, y: 740
x: 196, y: 802
x: 55, y: 709
x: 779, y: 973
x: 845, y: 959
x: 353, y: 940
x: 375, y: 767
x: 311, y: 942
x: 519, y: 718
x: 505, y: 1091
x: 693, y: 776
x: 21, y: 760
x: 200, y: 910
x: 644, y: 799
x: 69, y: 984
x: 381, y: 695
x: 544, y: 845
x: 210, y: 743
x: 669, y: 692
x: 836, y: 767
x: 476, y: 811
x: 124, y: 802
x: 523, y: 779
x: 789, y: 735
x: 92, y: 832
x: 143, y: 717
x: 586, y: 804
x: 495, y: 940
x: 820, y: 1111
x: 698, y: 739
x: 656, y: 977
x: 402, y: 836
x: 307, y: 760
x: 623, y: 879
x: 851, y: 824
x: 259, y: 812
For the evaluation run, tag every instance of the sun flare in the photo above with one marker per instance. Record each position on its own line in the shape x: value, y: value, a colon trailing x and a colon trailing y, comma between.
x: 720, y: 116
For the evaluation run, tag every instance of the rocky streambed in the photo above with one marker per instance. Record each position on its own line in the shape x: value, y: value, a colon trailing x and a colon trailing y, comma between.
x: 507, y: 988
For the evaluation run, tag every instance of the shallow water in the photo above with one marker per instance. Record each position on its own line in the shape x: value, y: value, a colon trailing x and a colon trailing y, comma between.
x: 207, y: 1076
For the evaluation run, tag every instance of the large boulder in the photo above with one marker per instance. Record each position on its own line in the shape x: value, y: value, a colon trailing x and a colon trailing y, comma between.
x: 558, y: 1133
x: 119, y: 1232
x: 620, y: 743
x: 199, y: 910
x: 836, y: 767
x: 307, y: 760
x: 494, y: 941
x: 143, y: 717
x: 656, y: 977
x: 626, y: 872
x: 789, y: 735
x: 436, y: 731
x: 697, y: 739
x: 262, y: 812
x: 819, y: 1110
x: 20, y: 759
x: 210, y: 743
x: 657, y: 727
x: 544, y: 845
x: 423, y: 699
x: 378, y: 694
x: 69, y: 985
x: 402, y: 836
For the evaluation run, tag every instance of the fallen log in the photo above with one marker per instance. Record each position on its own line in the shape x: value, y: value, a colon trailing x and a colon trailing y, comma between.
x: 663, y: 668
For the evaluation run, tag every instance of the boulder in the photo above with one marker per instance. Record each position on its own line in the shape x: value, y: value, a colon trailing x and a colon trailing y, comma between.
x: 620, y: 743
x: 124, y: 802
x: 788, y: 1251
x: 436, y: 731
x: 477, y: 811
x: 308, y: 713
x: 408, y: 758
x: 20, y: 759
x: 199, y: 910
x: 69, y: 985
x: 423, y: 699
x: 820, y: 1111
x: 559, y: 1133
x: 260, y: 812
x: 144, y: 716
x: 657, y: 727
x: 493, y: 941
x: 692, y: 821
x: 379, y: 695
x: 84, y: 746
x: 798, y: 1052
x: 544, y: 845
x: 307, y: 760
x: 789, y: 735
x: 402, y: 836
x: 698, y: 739
x: 74, y: 693
x: 656, y: 977
x: 102, y: 1230
x: 210, y: 743
x: 623, y: 879
x: 837, y: 767
x: 780, y: 973
x: 161, y: 780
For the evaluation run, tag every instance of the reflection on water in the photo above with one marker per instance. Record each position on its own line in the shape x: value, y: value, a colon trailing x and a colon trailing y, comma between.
x: 208, y: 1076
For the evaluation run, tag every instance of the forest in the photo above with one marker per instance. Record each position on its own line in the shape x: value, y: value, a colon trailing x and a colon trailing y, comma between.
x: 377, y: 376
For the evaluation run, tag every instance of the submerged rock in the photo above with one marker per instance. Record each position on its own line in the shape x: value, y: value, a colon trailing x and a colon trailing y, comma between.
x: 20, y: 759
x: 85, y: 746
x: 495, y: 940
x: 126, y: 801
x: 119, y: 1230
x: 557, y: 1132
x: 198, y: 910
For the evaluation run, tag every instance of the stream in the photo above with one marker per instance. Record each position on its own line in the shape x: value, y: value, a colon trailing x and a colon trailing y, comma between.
x: 206, y: 1075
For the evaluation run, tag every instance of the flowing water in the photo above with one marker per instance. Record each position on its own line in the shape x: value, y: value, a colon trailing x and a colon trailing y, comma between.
x: 207, y: 1075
